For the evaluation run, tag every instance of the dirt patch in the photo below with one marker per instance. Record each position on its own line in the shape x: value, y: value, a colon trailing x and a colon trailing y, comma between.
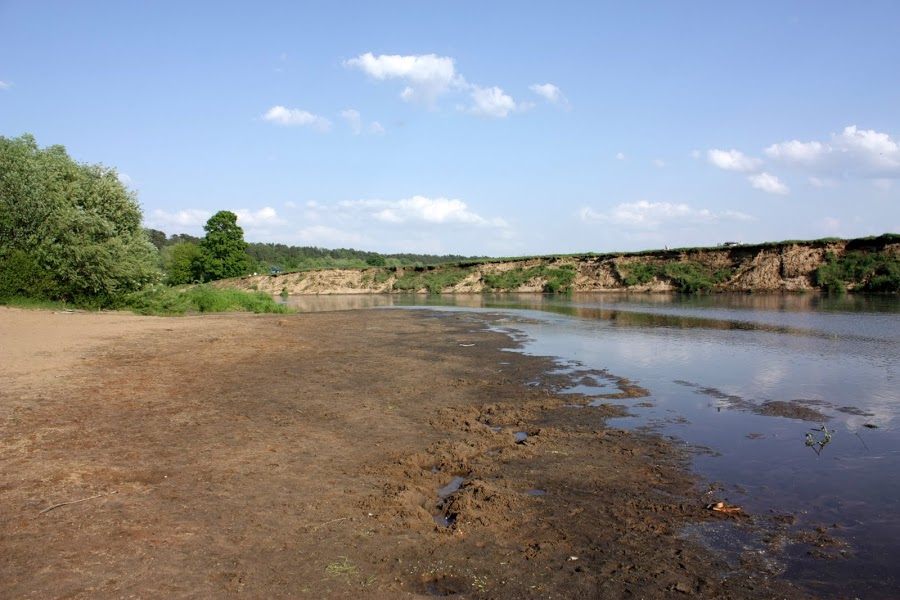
x: 387, y: 454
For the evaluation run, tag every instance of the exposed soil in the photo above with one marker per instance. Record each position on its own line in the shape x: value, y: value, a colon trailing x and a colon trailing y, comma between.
x: 777, y: 267
x: 304, y: 456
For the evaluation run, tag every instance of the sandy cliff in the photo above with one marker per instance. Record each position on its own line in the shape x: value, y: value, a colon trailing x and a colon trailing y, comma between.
x: 787, y: 266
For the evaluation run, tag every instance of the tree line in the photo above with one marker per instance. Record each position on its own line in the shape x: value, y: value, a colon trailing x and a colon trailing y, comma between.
x: 266, y: 257
x: 73, y: 232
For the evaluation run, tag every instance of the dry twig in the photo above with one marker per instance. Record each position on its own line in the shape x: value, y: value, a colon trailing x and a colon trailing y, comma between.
x: 49, y: 508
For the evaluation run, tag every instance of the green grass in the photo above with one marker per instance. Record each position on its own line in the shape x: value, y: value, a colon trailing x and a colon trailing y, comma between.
x: 557, y: 279
x: 693, y: 277
x: 433, y: 280
x: 637, y: 273
x: 866, y: 272
x: 35, y: 304
x: 162, y: 300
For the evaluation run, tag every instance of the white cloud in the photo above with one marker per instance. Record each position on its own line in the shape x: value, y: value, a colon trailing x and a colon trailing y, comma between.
x: 620, y: 156
x: 492, y: 102
x: 549, y: 92
x: 696, y: 154
x: 853, y: 152
x: 732, y: 160
x: 768, y: 183
x: 426, y: 76
x: 421, y: 209
x: 189, y: 218
x: 354, y: 120
x: 376, y: 128
x: 5, y: 85
x: 659, y: 163
x: 652, y: 215
x: 125, y: 179
x: 295, y: 116
x: 264, y: 216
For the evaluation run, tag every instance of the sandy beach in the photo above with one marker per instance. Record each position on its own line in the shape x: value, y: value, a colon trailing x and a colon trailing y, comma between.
x: 374, y: 453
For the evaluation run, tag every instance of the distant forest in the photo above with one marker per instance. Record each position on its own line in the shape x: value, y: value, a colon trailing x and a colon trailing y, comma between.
x: 280, y: 257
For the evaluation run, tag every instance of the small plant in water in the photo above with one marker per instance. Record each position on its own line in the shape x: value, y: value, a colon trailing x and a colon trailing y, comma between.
x: 818, y: 444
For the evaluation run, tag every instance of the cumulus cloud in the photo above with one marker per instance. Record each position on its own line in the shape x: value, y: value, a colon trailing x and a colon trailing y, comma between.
x: 549, y: 92
x: 492, y: 102
x: 732, y: 160
x: 253, y: 218
x: 620, y: 156
x: 853, y: 152
x: 421, y: 209
x: 768, y: 183
x: 652, y: 215
x: 280, y: 115
x: 190, y: 218
x: 376, y: 128
x: 5, y: 85
x: 426, y: 76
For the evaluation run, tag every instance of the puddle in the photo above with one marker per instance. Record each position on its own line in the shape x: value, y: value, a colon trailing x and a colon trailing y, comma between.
x: 535, y: 492
x: 520, y: 436
x: 451, y: 487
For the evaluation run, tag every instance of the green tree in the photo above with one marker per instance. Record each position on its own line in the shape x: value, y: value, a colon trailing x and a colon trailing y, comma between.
x: 180, y: 263
x: 223, y: 252
x: 73, y: 228
x: 156, y: 237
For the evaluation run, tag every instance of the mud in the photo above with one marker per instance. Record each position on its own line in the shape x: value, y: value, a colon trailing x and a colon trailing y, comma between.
x: 307, y: 456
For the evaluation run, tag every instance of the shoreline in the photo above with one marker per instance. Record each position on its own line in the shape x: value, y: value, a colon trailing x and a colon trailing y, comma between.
x: 305, y: 456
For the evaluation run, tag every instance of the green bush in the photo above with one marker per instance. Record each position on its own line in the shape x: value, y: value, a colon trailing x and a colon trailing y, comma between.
x: 164, y: 300
x: 433, y: 280
x: 867, y: 272
x: 638, y: 273
x: 690, y: 277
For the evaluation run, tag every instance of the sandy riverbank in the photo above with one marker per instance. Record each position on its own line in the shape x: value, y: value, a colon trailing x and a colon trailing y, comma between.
x: 302, y: 456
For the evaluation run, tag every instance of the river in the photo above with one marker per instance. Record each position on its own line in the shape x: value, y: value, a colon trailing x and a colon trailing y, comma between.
x: 791, y: 400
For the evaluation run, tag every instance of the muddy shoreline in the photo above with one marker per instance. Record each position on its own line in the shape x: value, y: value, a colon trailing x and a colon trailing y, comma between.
x: 305, y: 456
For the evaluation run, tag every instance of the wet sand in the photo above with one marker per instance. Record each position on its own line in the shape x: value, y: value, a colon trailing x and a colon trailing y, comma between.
x: 304, y: 455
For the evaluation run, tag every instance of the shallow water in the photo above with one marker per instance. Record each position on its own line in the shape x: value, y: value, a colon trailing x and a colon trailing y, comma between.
x: 711, y: 364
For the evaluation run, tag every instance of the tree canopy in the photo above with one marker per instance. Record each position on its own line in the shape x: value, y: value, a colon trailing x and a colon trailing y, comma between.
x: 223, y: 252
x: 68, y: 231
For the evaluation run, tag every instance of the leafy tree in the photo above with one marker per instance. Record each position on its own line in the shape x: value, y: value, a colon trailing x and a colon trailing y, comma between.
x: 223, y: 252
x: 376, y: 260
x: 68, y: 231
x: 156, y: 237
x: 180, y: 263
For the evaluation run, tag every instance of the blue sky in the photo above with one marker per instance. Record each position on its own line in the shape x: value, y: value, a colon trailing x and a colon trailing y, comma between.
x: 499, y: 128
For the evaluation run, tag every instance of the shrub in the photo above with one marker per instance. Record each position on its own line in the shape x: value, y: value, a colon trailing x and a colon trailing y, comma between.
x: 867, y: 272
x: 163, y: 300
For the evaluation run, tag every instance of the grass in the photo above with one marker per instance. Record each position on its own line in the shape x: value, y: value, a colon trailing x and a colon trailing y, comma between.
x: 433, y: 280
x: 866, y: 272
x: 556, y: 279
x: 162, y: 300
x: 344, y: 567
x: 31, y: 303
